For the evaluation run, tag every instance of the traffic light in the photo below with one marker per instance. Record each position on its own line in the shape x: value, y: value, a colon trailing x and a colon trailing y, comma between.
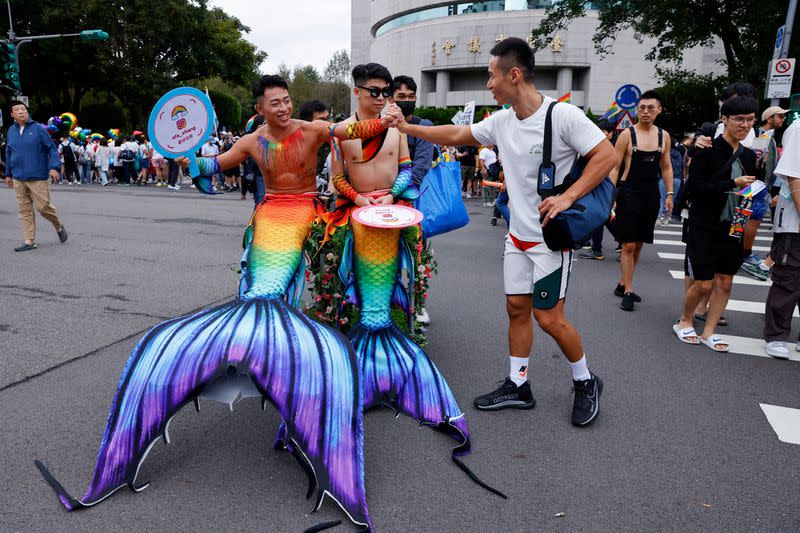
x: 93, y: 35
x: 8, y: 65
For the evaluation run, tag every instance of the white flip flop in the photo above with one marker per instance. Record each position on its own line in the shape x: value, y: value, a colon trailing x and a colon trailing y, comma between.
x: 712, y: 341
x: 684, y: 334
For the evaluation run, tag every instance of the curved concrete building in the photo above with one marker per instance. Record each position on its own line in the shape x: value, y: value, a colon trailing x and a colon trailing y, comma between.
x: 445, y: 47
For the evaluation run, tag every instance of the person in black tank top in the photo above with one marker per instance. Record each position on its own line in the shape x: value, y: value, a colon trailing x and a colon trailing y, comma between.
x: 638, y: 201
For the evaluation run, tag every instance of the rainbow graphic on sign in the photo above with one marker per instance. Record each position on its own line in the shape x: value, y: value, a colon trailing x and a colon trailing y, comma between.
x: 179, y: 113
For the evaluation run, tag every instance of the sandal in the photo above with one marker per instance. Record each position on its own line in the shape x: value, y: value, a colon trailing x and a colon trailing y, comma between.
x: 722, y: 322
x: 684, y: 334
x: 713, y: 341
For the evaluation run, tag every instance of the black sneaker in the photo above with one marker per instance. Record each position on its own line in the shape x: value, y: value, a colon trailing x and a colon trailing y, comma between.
x: 24, y: 247
x: 587, y: 400
x: 627, y: 302
x: 620, y: 292
x: 62, y: 234
x: 591, y: 254
x: 507, y: 396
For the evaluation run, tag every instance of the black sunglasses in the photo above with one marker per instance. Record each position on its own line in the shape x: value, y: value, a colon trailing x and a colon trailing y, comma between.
x: 377, y: 91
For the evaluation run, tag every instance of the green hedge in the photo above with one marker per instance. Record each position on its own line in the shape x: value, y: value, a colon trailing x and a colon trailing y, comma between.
x: 228, y: 109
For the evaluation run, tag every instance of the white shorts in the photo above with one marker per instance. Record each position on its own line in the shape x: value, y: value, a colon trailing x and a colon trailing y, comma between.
x: 538, y: 271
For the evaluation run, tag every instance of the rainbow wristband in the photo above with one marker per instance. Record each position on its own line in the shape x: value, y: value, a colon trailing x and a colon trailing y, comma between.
x: 208, y: 166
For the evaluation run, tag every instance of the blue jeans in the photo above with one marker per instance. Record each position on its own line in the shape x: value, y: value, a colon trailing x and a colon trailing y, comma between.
x: 677, y: 183
x: 86, y: 172
x: 502, y: 205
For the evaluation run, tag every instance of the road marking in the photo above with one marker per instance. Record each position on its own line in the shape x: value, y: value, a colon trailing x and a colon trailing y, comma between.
x: 785, y: 422
x: 678, y: 234
x: 755, y: 347
x: 737, y: 280
x: 679, y: 243
x: 751, y: 307
x: 667, y: 255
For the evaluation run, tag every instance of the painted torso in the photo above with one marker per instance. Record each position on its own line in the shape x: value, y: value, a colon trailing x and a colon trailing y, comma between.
x: 288, y: 164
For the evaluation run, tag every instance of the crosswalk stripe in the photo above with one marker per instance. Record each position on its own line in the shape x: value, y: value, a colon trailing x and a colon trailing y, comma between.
x: 678, y: 234
x: 679, y: 243
x: 785, y: 422
x: 737, y: 280
x: 762, y: 230
x: 755, y: 347
x: 667, y: 255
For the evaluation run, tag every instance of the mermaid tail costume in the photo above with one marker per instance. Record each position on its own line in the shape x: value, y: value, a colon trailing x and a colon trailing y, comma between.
x: 307, y: 371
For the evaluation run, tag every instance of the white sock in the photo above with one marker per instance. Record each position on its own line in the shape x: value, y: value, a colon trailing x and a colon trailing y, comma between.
x: 580, y: 371
x: 519, y: 369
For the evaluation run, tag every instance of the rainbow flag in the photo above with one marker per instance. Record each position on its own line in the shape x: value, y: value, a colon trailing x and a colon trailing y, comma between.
x: 752, y: 189
x: 486, y: 115
x: 566, y: 98
x: 613, y: 111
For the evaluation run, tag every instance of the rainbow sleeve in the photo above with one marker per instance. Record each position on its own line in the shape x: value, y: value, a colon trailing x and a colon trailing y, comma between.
x: 403, y: 178
x: 208, y: 166
x: 343, y: 187
x: 364, y: 129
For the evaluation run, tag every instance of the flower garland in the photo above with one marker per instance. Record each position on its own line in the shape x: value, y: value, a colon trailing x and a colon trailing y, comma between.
x: 327, y: 301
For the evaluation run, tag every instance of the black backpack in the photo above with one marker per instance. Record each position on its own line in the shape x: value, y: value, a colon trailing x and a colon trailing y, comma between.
x: 69, y: 154
x: 127, y: 155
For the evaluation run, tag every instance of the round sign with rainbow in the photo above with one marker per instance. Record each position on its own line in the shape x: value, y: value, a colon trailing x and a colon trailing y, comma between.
x: 180, y: 123
x: 387, y: 216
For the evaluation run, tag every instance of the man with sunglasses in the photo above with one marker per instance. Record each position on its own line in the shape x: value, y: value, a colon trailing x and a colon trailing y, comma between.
x: 644, y: 150
x: 372, y: 165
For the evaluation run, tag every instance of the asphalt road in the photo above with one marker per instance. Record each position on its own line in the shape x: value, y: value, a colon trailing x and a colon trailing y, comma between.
x: 681, y: 443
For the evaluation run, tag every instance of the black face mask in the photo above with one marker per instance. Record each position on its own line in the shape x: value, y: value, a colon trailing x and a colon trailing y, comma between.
x: 406, y: 107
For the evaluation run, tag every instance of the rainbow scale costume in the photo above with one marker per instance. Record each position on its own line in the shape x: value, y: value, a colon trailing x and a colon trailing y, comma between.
x: 395, y: 371
x: 257, y: 345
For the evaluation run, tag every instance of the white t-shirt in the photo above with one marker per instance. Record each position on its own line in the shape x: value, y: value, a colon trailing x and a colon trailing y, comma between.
x: 488, y: 157
x: 747, y: 142
x: 521, y: 141
x: 209, y: 150
x: 786, y: 218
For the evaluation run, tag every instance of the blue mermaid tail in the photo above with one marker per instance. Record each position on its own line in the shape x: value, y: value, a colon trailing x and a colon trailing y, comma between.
x: 395, y: 371
x: 306, y: 370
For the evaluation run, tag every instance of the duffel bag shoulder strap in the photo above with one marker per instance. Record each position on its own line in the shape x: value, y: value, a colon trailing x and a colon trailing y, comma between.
x: 547, y: 170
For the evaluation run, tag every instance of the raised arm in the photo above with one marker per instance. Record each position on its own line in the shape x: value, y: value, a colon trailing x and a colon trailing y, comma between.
x: 447, y: 134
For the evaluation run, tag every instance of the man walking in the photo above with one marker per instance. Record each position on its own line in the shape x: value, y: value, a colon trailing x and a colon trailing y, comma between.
x: 535, y: 276
x: 644, y: 149
x: 714, y: 247
x: 31, y: 159
x: 784, y: 294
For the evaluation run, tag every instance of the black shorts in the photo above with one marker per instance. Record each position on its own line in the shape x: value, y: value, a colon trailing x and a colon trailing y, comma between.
x: 711, y: 252
x: 233, y: 172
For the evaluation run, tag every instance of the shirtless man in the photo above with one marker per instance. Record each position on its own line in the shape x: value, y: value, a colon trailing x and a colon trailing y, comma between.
x: 644, y: 148
x: 284, y: 148
x: 373, y: 164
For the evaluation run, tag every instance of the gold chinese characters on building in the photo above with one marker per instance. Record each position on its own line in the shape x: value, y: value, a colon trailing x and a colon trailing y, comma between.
x: 499, y: 38
x: 557, y: 44
x: 448, y: 47
x: 474, y: 45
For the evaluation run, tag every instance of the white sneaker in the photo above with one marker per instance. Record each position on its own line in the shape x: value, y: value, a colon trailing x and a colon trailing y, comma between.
x: 172, y: 187
x: 422, y: 317
x: 777, y: 349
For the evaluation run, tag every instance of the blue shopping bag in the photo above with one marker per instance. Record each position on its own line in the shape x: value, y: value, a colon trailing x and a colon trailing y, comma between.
x: 440, y: 200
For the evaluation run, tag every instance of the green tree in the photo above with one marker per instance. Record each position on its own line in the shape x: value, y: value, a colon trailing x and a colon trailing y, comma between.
x: 688, y: 100
x: 228, y: 110
x: 745, y: 28
x: 152, y: 47
x: 338, y: 68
